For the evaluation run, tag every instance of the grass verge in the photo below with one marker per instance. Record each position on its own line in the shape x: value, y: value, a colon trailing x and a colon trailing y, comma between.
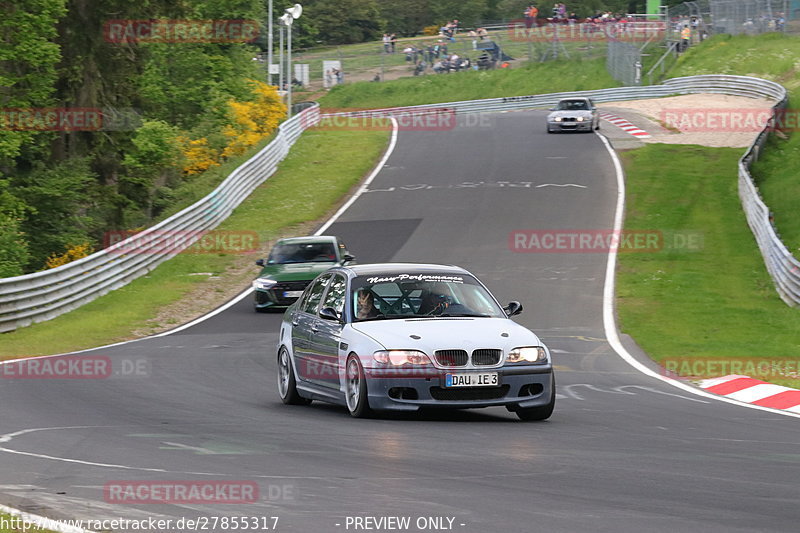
x: 553, y: 76
x: 772, y: 56
x: 710, y: 309
x: 321, y: 168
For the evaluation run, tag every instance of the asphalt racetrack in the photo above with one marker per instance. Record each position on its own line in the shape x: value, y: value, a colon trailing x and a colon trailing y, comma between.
x: 623, y: 452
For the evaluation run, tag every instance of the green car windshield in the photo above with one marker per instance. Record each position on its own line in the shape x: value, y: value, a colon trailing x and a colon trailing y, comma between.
x: 283, y: 254
x: 421, y: 295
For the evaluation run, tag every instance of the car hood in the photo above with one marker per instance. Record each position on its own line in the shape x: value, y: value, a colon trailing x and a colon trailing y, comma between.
x: 575, y: 113
x: 444, y: 333
x: 295, y: 271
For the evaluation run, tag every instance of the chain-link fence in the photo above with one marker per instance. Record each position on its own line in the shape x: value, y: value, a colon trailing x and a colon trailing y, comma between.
x: 506, y: 46
x: 624, y: 62
x: 748, y: 16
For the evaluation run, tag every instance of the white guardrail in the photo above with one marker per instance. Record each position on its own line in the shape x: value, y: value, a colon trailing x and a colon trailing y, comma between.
x: 44, y: 295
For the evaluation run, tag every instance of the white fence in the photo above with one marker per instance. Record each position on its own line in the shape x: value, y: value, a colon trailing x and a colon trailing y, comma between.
x: 47, y: 294
x: 44, y: 295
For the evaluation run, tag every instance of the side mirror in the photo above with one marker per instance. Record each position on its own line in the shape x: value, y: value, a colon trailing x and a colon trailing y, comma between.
x: 260, y: 262
x: 329, y: 313
x: 347, y: 258
x: 513, y: 308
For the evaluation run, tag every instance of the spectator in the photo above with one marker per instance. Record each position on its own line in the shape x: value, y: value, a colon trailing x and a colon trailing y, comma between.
x: 482, y: 33
x: 474, y: 36
x: 430, y: 53
x: 386, y: 43
x: 686, y: 37
x: 530, y: 14
x: 393, y: 41
x: 377, y: 77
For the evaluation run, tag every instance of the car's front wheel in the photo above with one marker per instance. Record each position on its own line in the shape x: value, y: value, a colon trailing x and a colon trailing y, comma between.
x: 356, y: 389
x: 287, y: 384
x: 542, y: 412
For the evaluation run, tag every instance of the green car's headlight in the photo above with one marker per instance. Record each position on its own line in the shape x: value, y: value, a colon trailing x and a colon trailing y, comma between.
x: 264, y: 283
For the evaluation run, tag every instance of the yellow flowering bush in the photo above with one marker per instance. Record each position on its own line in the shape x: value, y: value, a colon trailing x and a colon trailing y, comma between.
x: 74, y: 252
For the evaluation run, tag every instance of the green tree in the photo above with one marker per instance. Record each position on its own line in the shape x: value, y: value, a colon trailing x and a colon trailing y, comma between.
x: 345, y: 21
x: 59, y: 203
x: 151, y: 164
x: 406, y: 17
x: 13, y: 245
x: 28, y: 57
x: 468, y: 12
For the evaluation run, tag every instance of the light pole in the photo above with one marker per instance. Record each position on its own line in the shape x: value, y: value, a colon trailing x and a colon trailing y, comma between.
x: 288, y: 18
x: 269, y: 43
x: 280, y: 59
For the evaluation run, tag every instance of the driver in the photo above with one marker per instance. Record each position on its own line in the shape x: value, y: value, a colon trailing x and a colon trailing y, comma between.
x: 436, y: 300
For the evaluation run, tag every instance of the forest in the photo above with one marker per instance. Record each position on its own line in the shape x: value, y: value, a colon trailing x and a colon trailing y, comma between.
x: 109, y: 108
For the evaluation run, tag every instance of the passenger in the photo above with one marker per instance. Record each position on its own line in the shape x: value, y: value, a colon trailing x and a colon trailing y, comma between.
x: 366, y: 305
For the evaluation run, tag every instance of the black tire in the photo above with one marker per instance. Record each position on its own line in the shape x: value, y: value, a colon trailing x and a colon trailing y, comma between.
x: 542, y: 412
x: 356, y: 389
x: 287, y: 385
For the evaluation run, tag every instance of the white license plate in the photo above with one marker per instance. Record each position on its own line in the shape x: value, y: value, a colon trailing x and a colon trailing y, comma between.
x: 292, y: 294
x: 483, y: 379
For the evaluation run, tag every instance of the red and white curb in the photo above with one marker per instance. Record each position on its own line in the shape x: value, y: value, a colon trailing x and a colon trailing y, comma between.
x: 625, y: 125
x: 754, y: 391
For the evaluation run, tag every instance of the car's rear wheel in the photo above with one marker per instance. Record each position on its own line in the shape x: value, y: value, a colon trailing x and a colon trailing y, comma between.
x: 542, y: 412
x: 287, y: 384
x: 356, y: 389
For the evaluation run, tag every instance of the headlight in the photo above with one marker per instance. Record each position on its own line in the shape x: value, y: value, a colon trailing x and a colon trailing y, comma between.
x: 263, y: 283
x: 580, y: 119
x: 527, y: 354
x: 556, y: 119
x: 401, y: 357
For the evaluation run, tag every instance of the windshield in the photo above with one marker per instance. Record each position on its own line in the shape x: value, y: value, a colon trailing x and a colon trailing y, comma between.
x: 302, y: 253
x: 421, y: 295
x: 573, y: 105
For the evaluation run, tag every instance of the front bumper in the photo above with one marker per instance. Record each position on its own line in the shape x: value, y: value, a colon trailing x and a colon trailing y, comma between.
x: 274, y: 297
x: 519, y: 387
x: 570, y: 126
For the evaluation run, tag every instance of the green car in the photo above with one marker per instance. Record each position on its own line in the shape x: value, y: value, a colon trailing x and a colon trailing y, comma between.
x: 292, y: 264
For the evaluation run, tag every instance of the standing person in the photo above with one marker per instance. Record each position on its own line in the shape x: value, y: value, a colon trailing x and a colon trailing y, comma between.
x: 686, y: 36
x: 393, y: 41
x: 386, y: 43
x: 530, y: 16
